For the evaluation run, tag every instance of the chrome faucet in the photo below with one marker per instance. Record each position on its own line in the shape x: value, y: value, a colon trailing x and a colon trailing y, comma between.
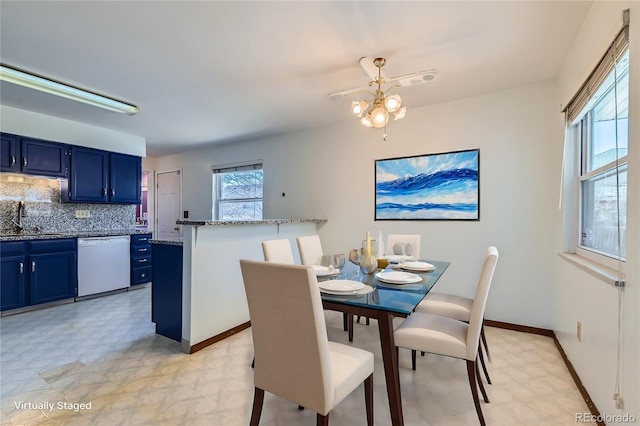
x: 21, y: 213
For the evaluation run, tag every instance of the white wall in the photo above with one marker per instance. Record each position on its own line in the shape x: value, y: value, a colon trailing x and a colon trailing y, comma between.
x: 329, y: 173
x: 580, y: 296
x: 27, y: 123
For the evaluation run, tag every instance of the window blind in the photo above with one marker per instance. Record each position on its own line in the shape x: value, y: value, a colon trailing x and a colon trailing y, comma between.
x: 580, y: 100
x: 238, y: 167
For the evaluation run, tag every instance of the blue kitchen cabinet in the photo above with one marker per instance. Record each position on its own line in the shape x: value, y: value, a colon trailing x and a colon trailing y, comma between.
x: 12, y: 275
x: 88, y: 177
x: 20, y: 154
x: 9, y: 153
x: 103, y: 177
x: 141, y: 259
x: 125, y: 178
x: 44, y: 158
x: 52, y: 270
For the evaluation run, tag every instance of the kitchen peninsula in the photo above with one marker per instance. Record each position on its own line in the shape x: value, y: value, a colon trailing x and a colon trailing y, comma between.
x: 205, y: 266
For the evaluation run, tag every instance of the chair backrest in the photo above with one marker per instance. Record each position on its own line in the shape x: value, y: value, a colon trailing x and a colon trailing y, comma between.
x: 278, y: 251
x: 412, y: 239
x: 480, y: 302
x: 310, y: 249
x: 289, y: 333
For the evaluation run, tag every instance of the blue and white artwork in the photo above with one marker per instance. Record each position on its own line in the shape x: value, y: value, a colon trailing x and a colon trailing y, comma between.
x: 435, y: 186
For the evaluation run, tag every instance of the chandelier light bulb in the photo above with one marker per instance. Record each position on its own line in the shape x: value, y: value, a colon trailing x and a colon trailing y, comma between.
x: 400, y: 114
x: 379, y: 116
x: 392, y: 103
x: 366, y: 120
x: 358, y: 108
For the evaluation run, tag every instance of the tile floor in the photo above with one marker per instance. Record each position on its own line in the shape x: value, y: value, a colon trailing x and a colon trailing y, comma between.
x: 104, y: 352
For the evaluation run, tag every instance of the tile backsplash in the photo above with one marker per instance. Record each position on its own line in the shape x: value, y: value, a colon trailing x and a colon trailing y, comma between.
x: 45, y: 212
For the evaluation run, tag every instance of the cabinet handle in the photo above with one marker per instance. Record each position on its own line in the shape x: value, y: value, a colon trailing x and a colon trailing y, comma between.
x: 104, y: 191
x: 143, y: 275
x: 113, y: 192
x: 142, y: 260
x: 21, y: 268
x: 33, y: 266
x: 142, y: 249
x: 24, y: 161
x: 13, y: 160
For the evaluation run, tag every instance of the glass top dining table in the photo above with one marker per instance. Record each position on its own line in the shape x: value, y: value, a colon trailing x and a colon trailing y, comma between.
x: 385, y: 302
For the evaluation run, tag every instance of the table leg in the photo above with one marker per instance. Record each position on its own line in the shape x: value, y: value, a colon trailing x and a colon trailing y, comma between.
x: 392, y: 375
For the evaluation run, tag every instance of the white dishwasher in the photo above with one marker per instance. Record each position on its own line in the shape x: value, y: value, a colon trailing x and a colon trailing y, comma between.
x: 103, y: 264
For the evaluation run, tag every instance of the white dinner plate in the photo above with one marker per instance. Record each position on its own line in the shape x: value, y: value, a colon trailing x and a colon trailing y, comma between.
x: 398, y: 277
x: 340, y: 286
x: 417, y: 266
x: 347, y: 294
x: 323, y: 271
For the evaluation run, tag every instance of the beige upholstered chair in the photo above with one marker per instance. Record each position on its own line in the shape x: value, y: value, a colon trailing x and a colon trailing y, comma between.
x: 449, y: 337
x: 456, y: 307
x: 294, y: 359
x: 396, y: 241
x: 278, y: 251
x: 310, y: 249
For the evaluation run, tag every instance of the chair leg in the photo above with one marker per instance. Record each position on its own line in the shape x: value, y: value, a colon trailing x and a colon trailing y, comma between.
x: 422, y: 353
x: 345, y: 321
x: 322, y: 420
x: 300, y: 407
x: 484, y: 393
x: 484, y: 342
x: 413, y: 360
x: 367, y: 321
x: 368, y: 399
x: 253, y: 363
x: 258, y: 398
x: 358, y: 319
x: 471, y: 372
x: 484, y: 366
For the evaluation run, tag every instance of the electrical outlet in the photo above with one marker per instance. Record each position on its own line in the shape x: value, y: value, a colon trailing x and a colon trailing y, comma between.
x: 83, y: 214
x: 579, y: 331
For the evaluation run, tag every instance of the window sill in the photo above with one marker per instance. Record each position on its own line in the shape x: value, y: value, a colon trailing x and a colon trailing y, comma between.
x: 608, y: 275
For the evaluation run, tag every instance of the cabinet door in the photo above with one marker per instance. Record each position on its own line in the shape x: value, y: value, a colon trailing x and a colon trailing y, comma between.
x: 43, y: 158
x: 125, y: 182
x: 52, y: 277
x: 12, y: 282
x: 9, y: 153
x: 89, y: 176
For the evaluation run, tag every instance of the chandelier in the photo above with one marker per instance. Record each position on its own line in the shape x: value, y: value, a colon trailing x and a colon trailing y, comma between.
x: 383, y: 105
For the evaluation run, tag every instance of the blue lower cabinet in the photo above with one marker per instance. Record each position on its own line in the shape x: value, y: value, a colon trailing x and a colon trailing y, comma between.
x: 140, y: 259
x: 52, y: 270
x: 13, y: 261
x: 37, y: 271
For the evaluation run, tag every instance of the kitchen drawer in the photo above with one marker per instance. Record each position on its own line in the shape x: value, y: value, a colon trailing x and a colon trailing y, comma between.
x: 140, y: 239
x: 141, y: 275
x: 141, y: 261
x: 141, y: 250
x: 51, y: 246
x: 8, y: 248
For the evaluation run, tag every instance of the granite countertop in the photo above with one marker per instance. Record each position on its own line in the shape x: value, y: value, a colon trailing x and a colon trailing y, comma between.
x: 67, y: 234
x: 169, y: 242
x: 246, y: 222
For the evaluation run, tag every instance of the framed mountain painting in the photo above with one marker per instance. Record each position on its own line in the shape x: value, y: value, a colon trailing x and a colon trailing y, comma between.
x: 443, y: 186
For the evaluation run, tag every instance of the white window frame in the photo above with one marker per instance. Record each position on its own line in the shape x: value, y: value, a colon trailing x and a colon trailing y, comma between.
x: 217, y: 183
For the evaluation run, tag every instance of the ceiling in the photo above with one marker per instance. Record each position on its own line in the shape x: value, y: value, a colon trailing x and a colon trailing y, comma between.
x: 210, y: 72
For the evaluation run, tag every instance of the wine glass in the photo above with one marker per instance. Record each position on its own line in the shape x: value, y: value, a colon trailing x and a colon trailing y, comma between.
x: 338, y: 261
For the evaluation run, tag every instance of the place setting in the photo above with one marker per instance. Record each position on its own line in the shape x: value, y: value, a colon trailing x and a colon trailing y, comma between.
x: 344, y: 288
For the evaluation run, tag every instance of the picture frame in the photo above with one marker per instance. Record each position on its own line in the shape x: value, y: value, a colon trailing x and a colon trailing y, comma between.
x: 440, y: 186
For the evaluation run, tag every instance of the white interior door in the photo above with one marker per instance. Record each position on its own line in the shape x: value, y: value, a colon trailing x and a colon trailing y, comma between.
x: 168, y: 205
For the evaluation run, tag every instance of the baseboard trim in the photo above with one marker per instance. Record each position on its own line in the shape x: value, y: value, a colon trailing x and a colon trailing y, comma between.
x: 211, y: 340
x: 550, y: 333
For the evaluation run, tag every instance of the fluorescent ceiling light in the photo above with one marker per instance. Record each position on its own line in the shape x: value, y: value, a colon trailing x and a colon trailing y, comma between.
x: 32, y: 81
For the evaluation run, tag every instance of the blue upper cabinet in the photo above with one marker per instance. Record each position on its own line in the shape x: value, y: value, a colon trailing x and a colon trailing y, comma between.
x: 88, y: 178
x: 9, y: 153
x: 125, y: 179
x: 43, y: 158
x: 33, y: 156
x: 102, y: 177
